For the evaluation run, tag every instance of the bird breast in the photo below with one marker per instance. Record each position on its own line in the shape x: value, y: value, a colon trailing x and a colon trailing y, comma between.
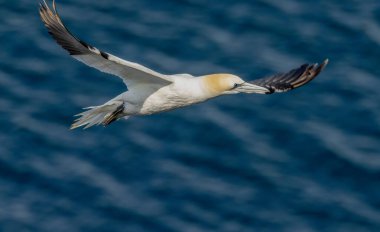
x: 180, y: 93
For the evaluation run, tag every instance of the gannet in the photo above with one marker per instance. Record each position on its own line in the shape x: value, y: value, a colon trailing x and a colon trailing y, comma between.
x: 149, y: 92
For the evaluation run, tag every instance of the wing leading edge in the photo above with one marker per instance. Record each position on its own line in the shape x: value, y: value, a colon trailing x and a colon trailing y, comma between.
x: 131, y: 73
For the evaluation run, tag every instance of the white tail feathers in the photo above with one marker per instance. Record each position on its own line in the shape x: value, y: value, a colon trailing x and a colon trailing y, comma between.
x: 96, y: 115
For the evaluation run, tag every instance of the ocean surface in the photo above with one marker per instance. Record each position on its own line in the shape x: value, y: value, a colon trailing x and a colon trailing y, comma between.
x: 307, y: 160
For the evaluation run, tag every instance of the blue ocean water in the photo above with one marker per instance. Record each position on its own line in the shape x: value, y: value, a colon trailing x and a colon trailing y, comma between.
x: 307, y: 160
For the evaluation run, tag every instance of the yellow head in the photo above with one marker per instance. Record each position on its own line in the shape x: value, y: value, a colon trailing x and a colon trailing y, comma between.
x: 218, y: 84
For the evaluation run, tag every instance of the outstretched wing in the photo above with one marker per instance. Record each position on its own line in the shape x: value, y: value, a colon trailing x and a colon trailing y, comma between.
x: 295, y: 78
x: 131, y: 73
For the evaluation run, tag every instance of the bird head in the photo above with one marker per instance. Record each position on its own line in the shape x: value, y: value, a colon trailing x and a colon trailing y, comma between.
x: 220, y: 84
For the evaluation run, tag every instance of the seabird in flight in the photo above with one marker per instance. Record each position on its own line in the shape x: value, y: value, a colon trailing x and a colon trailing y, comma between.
x: 150, y: 92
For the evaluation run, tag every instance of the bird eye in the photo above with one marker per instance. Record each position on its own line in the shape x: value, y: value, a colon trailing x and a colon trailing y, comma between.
x: 235, y: 86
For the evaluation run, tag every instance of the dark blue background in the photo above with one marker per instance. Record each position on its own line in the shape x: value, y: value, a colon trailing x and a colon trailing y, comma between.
x: 307, y: 160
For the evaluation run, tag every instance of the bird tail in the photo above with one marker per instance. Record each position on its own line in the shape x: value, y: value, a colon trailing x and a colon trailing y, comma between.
x: 96, y: 115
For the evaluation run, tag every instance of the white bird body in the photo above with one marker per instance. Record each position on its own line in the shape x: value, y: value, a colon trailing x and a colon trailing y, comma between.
x: 182, y: 92
x: 150, y: 92
x: 146, y: 99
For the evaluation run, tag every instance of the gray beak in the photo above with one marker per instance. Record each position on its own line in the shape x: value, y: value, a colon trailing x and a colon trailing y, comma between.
x: 250, y: 88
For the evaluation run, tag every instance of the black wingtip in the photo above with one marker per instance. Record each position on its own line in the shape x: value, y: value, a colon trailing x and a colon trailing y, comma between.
x: 318, y: 68
x: 293, y: 79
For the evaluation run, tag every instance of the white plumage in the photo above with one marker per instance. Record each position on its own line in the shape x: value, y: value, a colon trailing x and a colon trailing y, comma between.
x: 151, y: 92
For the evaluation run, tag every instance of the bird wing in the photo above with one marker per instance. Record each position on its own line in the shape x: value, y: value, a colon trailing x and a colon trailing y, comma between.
x: 131, y: 73
x: 283, y: 82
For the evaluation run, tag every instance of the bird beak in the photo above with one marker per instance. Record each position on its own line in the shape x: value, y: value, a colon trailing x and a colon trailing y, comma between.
x: 250, y: 88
